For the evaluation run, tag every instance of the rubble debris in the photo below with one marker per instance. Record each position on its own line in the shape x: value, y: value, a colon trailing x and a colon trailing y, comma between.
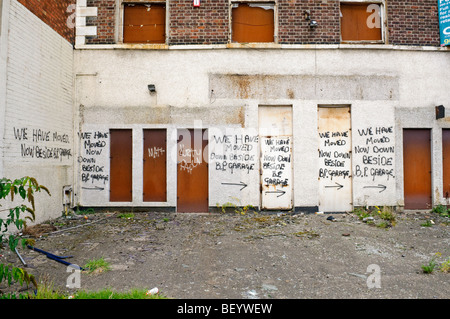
x: 39, y: 230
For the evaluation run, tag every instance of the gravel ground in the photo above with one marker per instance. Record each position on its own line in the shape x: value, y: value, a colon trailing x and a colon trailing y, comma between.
x: 251, y: 256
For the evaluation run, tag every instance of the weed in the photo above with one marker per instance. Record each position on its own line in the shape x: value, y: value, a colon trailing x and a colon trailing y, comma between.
x: 441, y: 210
x: 46, y: 290
x: 88, y: 211
x: 432, y: 264
x: 97, y: 265
x: 225, y: 206
x: 126, y: 215
x: 310, y: 234
x: 244, y: 210
x: 426, y: 224
x: 445, y: 266
x: 387, y: 214
x: 361, y: 213
x: 110, y: 294
x: 383, y: 225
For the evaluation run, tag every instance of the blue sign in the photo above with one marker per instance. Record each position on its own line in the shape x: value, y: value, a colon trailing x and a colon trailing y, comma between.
x: 444, y: 21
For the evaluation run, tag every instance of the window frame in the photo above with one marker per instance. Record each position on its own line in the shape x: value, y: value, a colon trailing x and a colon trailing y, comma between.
x: 383, y: 17
x: 230, y: 21
x: 120, y: 16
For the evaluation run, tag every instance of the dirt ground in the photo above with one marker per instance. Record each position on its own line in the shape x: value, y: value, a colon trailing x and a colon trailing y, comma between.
x: 251, y: 256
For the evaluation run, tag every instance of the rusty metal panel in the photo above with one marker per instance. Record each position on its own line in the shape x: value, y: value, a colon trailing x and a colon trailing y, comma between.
x: 335, y: 165
x: 192, y: 171
x: 417, y: 168
x: 357, y: 24
x: 446, y: 162
x: 120, y: 174
x: 144, y: 23
x: 252, y: 23
x: 275, y: 130
x: 154, y: 168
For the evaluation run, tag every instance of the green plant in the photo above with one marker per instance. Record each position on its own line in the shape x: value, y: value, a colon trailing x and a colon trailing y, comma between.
x: 361, y: 213
x: 97, y: 265
x: 441, y: 210
x: 24, y: 188
x: 432, y: 264
x: 87, y: 211
x: 126, y: 215
x: 445, y: 266
x: 382, y: 225
x: 110, y: 294
x: 48, y: 291
x: 426, y: 224
x: 387, y: 214
x: 225, y: 206
x: 245, y: 209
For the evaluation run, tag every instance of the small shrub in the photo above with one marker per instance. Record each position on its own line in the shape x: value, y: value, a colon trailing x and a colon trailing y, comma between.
x: 97, y: 265
x: 126, y: 215
x: 432, y: 264
x: 445, y: 266
x: 441, y: 210
x: 426, y: 224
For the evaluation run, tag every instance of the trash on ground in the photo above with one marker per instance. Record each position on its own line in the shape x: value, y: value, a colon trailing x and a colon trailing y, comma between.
x: 153, y: 291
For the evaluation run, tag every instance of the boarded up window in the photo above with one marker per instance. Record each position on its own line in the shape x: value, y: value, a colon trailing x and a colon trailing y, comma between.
x: 252, y: 22
x: 144, y: 23
x: 155, y: 165
x: 361, y: 22
x: 120, y: 172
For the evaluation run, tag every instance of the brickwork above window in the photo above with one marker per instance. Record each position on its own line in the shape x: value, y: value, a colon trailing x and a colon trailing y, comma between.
x: 207, y: 24
x: 413, y: 22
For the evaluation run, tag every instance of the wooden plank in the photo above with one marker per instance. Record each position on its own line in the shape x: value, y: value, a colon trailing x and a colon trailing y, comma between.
x: 192, y: 171
x: 417, y: 168
x: 154, y: 166
x: 121, y: 152
x: 252, y: 24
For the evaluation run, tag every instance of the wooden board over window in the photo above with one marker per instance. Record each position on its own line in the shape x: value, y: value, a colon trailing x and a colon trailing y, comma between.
x: 361, y: 22
x: 144, y: 23
x: 252, y: 22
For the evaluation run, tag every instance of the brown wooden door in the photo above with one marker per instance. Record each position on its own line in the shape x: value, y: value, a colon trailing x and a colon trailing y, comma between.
x: 192, y: 171
x: 417, y: 168
x: 446, y: 161
x: 154, y: 170
x: 120, y: 173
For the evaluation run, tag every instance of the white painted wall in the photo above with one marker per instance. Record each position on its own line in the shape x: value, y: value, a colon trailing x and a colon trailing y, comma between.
x: 384, y: 88
x: 38, y: 99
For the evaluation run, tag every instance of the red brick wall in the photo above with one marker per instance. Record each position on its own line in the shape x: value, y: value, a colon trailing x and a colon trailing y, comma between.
x: 413, y: 22
x: 410, y: 22
x: 53, y: 13
x: 207, y: 24
x: 105, y: 21
x: 294, y: 28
